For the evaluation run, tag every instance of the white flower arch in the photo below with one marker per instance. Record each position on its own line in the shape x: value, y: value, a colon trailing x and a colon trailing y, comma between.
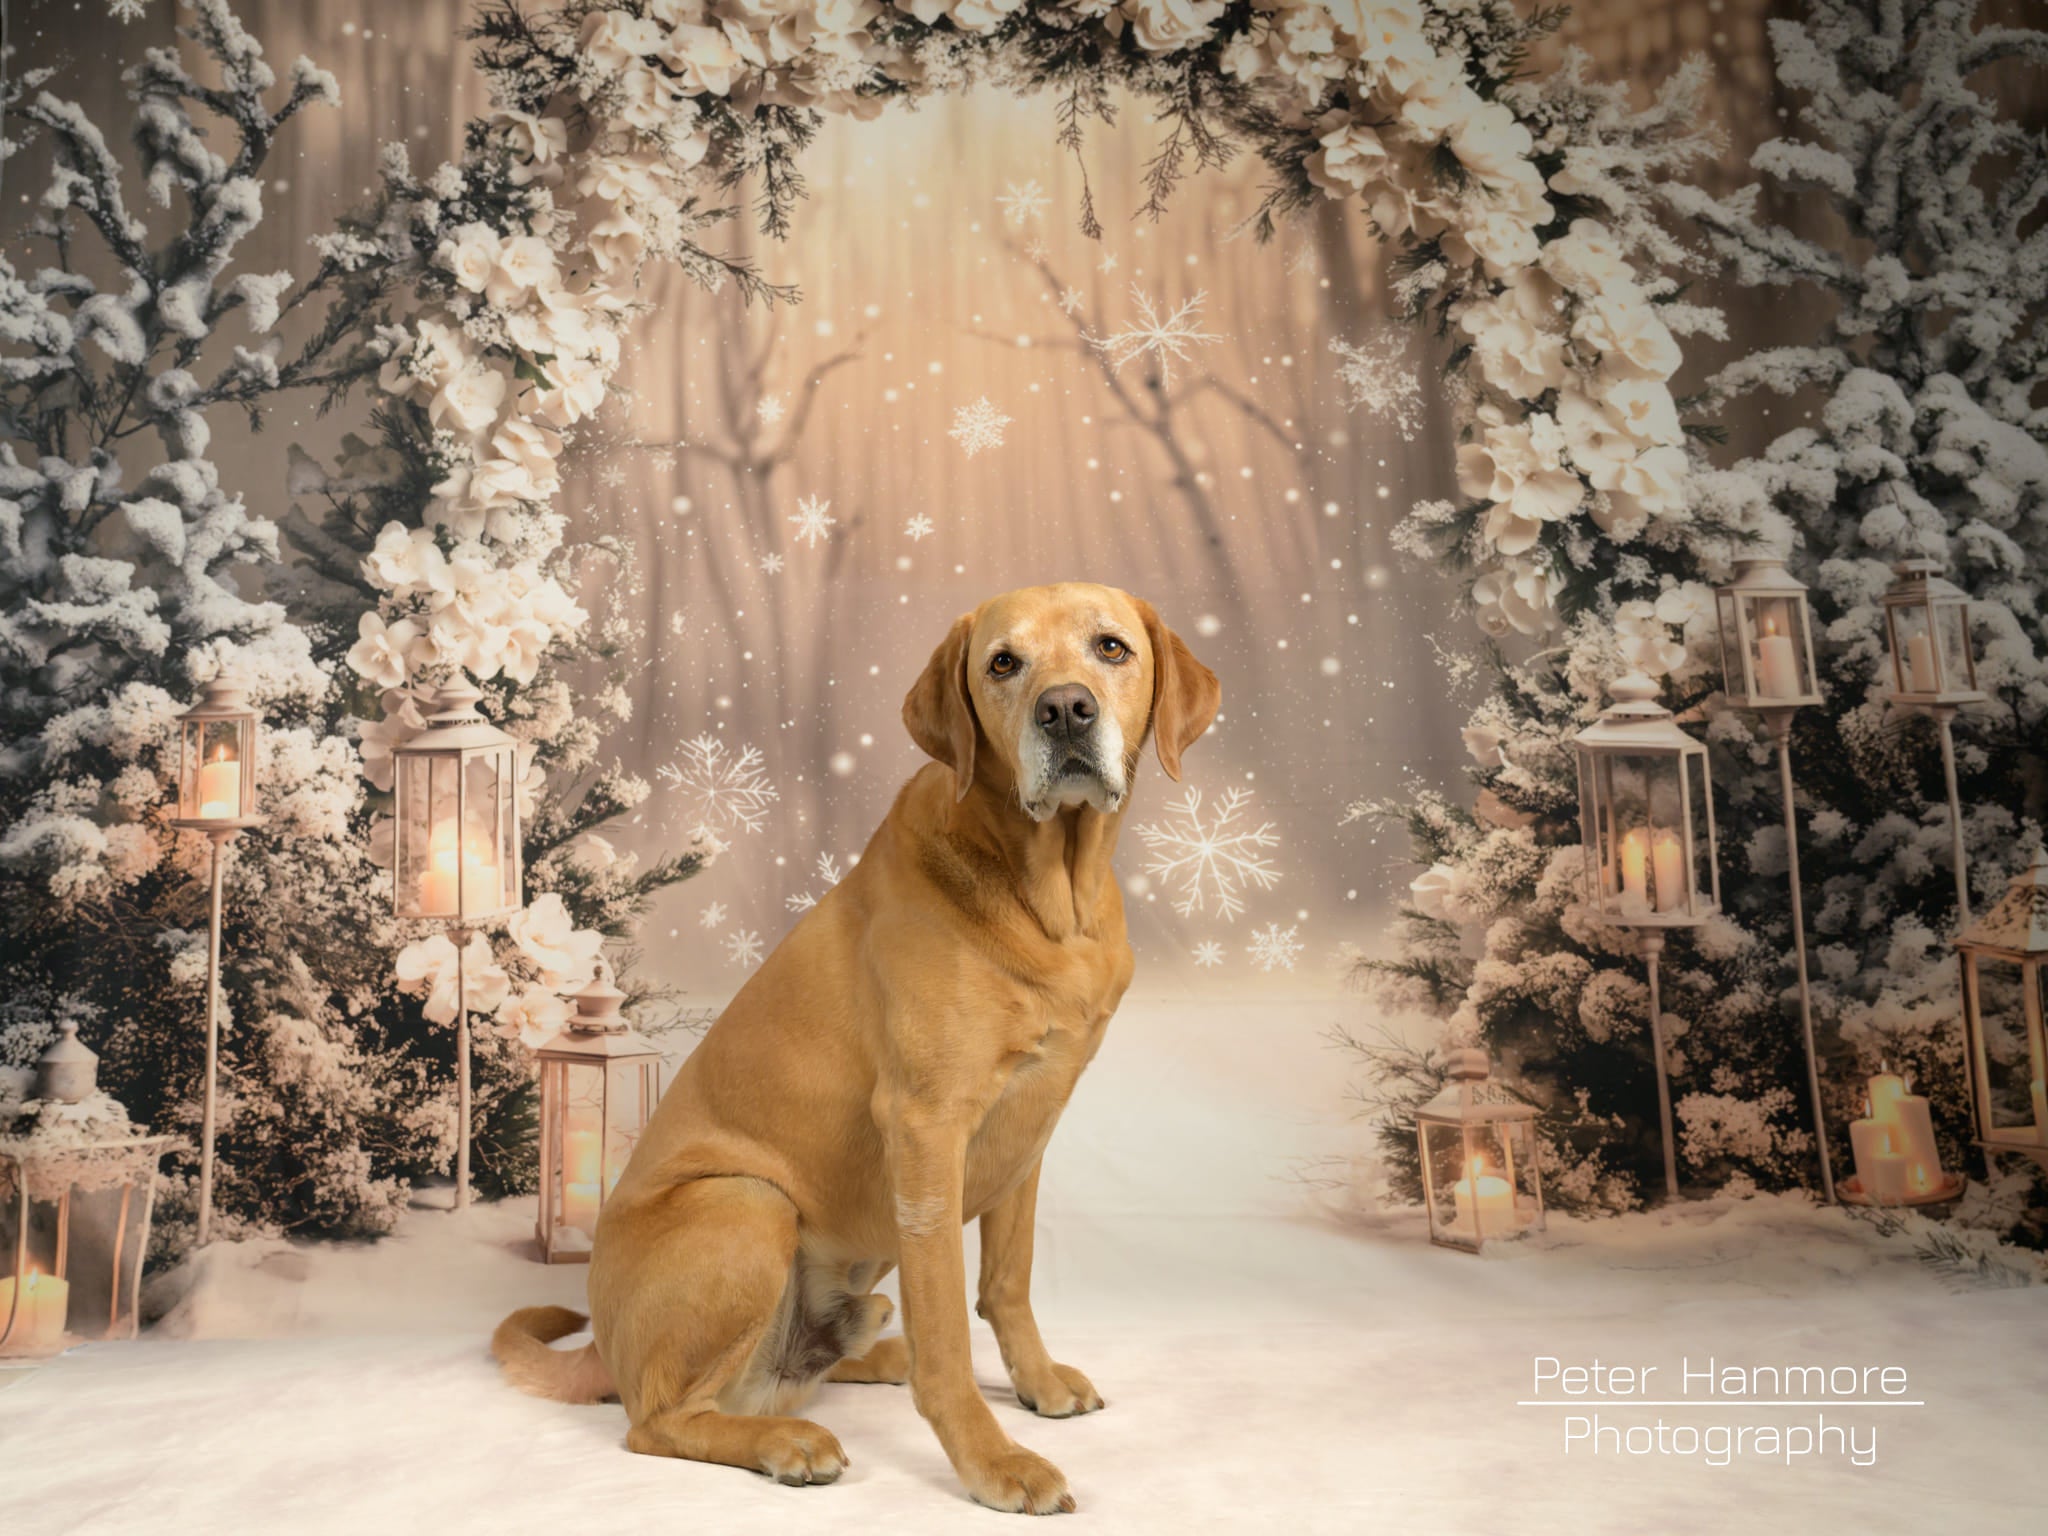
x: 618, y: 124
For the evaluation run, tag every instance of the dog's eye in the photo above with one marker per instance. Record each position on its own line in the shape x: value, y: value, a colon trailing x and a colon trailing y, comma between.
x: 1003, y: 664
x: 1111, y: 648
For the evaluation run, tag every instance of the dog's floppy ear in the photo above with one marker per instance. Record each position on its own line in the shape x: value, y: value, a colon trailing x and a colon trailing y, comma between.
x: 938, y: 711
x: 1185, y: 693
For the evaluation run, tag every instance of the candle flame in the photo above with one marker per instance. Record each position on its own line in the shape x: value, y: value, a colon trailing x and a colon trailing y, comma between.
x: 1919, y: 1175
x: 1770, y: 625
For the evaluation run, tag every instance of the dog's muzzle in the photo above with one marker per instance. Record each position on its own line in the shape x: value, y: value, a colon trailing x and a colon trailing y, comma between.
x: 1070, y: 754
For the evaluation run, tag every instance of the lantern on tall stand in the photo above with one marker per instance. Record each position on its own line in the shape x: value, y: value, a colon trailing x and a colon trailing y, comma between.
x: 1767, y: 665
x: 456, y: 848
x: 2003, y: 955
x: 1481, y: 1182
x: 1646, y: 810
x: 1934, y: 672
x: 77, y: 1189
x: 217, y: 756
x: 598, y: 1084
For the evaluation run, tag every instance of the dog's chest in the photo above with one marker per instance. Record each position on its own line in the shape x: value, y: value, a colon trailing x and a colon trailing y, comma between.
x: 1019, y: 1123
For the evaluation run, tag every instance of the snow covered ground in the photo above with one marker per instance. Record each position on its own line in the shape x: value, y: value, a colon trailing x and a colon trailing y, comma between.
x: 1267, y: 1366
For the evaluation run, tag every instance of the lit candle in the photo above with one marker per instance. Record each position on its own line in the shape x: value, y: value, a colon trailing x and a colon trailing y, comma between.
x: 1482, y: 1204
x: 441, y: 893
x: 38, y: 1305
x: 1920, y: 664
x: 220, y: 786
x: 1670, y: 872
x: 1896, y: 1154
x: 1635, y: 859
x: 1777, y: 665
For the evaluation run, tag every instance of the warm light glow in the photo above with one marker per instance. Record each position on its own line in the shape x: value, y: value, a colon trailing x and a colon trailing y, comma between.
x: 220, y: 786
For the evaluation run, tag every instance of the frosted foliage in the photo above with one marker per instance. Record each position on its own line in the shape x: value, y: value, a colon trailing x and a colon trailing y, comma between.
x: 130, y: 575
x: 1915, y: 354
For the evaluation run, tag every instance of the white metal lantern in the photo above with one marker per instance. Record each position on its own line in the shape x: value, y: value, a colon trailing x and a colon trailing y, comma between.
x: 457, y: 815
x: 1927, y: 623
x: 217, y: 741
x: 1480, y: 1179
x: 1646, y: 807
x: 1767, y: 638
x: 599, y: 1081
x: 2003, y: 954
x: 77, y: 1189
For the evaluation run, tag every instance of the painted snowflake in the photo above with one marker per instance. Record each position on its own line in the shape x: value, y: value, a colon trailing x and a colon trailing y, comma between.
x: 743, y: 947
x: 772, y: 564
x: 612, y: 475
x: 829, y: 872
x: 919, y: 528
x: 814, y: 522
x: 712, y: 916
x: 725, y: 791
x: 1273, y: 948
x: 1208, y: 953
x: 1212, y: 862
x: 1379, y: 378
x: 1164, y: 336
x: 771, y: 409
x: 125, y: 11
x: 1070, y: 300
x: 1108, y: 262
x: 978, y: 426
x: 1022, y: 204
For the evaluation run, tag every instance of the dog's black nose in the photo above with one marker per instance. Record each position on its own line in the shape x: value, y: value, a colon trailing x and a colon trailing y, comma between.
x: 1066, y: 712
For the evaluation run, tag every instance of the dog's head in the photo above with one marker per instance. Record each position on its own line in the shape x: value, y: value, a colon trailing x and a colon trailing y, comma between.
x: 1049, y: 691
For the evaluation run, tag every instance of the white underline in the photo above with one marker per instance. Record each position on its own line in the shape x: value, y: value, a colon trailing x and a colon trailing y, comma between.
x: 1701, y: 1402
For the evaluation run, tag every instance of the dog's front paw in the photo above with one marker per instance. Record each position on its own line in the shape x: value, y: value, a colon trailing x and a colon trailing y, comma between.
x: 1057, y: 1392
x: 1021, y: 1482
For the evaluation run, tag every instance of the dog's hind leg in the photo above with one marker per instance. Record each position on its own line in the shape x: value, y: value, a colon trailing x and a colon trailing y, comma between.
x: 686, y: 1289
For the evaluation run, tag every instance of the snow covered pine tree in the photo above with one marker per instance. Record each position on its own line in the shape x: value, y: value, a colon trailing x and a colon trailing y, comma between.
x: 125, y: 585
x: 1923, y: 295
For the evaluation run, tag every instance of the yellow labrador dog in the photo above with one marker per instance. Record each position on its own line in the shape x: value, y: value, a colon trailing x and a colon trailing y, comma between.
x: 893, y: 1070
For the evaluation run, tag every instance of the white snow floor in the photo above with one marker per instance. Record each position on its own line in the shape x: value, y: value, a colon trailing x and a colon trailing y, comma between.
x: 1266, y: 1367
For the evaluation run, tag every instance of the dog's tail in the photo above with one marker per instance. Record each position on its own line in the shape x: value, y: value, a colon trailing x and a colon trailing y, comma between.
x: 567, y: 1375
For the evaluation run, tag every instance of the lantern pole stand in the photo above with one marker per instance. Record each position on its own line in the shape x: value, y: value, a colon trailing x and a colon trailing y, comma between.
x: 461, y: 936
x: 220, y: 837
x: 1944, y: 716
x: 1778, y: 720
x: 1652, y: 943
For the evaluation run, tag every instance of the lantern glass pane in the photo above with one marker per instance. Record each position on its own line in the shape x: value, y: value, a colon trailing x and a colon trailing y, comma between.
x: 508, y: 828
x: 1913, y: 658
x: 214, y: 770
x: 629, y: 1100
x: 1779, y: 661
x: 1734, y: 676
x: 1479, y: 1181
x: 1705, y: 876
x: 1952, y: 647
x: 428, y: 847
x: 72, y: 1242
x: 2012, y: 1092
x: 1644, y: 819
x: 482, y: 867
x: 581, y: 1143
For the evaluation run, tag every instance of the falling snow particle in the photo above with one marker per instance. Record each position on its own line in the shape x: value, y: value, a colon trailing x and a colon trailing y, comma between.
x: 978, y: 426
x: 1273, y: 948
x: 919, y: 528
x: 770, y: 409
x: 813, y: 523
x: 723, y: 791
x: 1211, y: 863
